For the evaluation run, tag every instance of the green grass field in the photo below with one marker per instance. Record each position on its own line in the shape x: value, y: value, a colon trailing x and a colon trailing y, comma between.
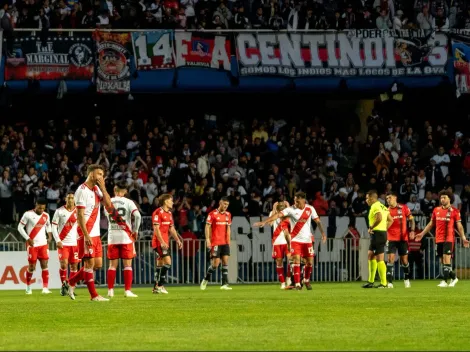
x: 251, y: 317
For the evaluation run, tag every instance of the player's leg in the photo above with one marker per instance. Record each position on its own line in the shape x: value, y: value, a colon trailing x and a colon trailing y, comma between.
x: 224, y: 255
x: 127, y: 253
x: 158, y: 270
x: 164, y: 272
x: 289, y: 270
x: 445, y: 273
x: 215, y: 262
x: 403, y: 253
x: 391, y: 263
x: 45, y: 275
x: 280, y: 269
x: 64, y: 262
x: 32, y: 259
x: 308, y: 254
x: 379, y: 256
x: 447, y: 261
x: 111, y: 275
x: 372, y: 262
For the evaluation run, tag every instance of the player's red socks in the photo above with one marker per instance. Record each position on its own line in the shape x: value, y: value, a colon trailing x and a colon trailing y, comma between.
x: 308, y: 272
x: 111, y: 277
x: 74, y: 279
x: 90, y: 282
x: 280, y: 274
x: 45, y: 278
x: 29, y: 277
x: 127, y: 278
x: 296, y: 273
x: 63, y: 275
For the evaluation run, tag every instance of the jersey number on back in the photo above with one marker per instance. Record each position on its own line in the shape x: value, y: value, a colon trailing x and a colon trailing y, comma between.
x: 121, y: 212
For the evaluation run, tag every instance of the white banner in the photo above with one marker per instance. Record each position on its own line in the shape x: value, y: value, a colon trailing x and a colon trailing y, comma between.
x: 13, y: 266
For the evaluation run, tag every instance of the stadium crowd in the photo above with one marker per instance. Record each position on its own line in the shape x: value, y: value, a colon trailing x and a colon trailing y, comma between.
x: 256, y: 163
x: 236, y: 14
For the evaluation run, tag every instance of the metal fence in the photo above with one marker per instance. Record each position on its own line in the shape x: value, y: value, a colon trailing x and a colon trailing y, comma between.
x: 338, y: 260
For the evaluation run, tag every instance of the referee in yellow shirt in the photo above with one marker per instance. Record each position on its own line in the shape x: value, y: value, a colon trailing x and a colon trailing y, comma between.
x: 379, y: 221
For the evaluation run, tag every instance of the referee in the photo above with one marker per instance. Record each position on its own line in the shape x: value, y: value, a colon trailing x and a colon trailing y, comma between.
x: 379, y: 221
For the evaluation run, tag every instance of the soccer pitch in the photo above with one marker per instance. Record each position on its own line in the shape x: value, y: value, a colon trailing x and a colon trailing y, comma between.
x: 332, y: 316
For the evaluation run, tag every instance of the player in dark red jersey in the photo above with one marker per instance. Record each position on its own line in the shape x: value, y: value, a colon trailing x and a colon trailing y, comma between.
x: 218, y: 242
x: 397, y: 238
x: 163, y: 225
x: 446, y: 218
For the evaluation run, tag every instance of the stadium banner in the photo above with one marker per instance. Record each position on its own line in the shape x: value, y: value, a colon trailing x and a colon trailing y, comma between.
x: 154, y: 50
x: 57, y: 58
x: 113, y: 51
x: 14, y: 265
x: 202, y: 50
x: 461, y: 55
x: 355, y: 53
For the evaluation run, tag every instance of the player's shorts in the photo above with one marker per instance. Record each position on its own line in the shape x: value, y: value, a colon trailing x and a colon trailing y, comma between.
x: 121, y: 251
x: 305, y: 250
x: 378, y: 239
x: 160, y: 252
x: 220, y: 251
x: 445, y: 248
x: 69, y: 253
x: 280, y: 251
x: 93, y: 251
x: 402, y: 247
x: 35, y: 253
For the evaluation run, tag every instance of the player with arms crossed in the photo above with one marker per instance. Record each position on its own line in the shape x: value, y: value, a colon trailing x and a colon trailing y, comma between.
x: 397, y: 237
x: 379, y: 220
x: 281, y: 244
x: 446, y: 218
x: 300, y: 216
x: 163, y: 225
x: 121, y: 238
x: 64, y: 230
x: 88, y: 198
x: 37, y: 223
x: 218, y: 234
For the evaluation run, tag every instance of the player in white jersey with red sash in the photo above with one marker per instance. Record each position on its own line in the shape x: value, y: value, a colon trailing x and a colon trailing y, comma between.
x: 64, y: 230
x: 121, y: 238
x: 300, y: 216
x: 33, y: 227
x: 281, y: 245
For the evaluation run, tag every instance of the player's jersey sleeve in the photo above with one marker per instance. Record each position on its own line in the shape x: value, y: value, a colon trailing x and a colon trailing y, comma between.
x: 286, y: 225
x: 229, y: 219
x: 156, y: 218
x: 434, y: 216
x: 99, y: 193
x: 48, y: 224
x: 80, y: 198
x: 314, y: 214
x: 287, y: 212
x: 209, y: 218
x: 457, y: 217
x: 55, y: 225
x: 55, y: 219
x: 406, y: 212
x: 132, y: 207
x: 172, y: 222
x: 24, y: 219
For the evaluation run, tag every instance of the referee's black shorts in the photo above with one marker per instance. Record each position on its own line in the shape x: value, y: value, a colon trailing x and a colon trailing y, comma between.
x: 378, y: 239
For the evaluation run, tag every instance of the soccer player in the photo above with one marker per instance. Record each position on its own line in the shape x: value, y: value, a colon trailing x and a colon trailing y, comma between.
x: 281, y: 244
x: 37, y: 223
x: 300, y: 216
x: 64, y: 230
x: 121, y: 238
x: 88, y: 197
x: 397, y: 237
x: 446, y: 218
x: 163, y: 225
x: 218, y: 233
x: 379, y: 217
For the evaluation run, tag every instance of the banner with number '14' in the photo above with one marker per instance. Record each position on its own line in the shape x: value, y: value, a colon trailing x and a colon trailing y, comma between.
x: 154, y: 50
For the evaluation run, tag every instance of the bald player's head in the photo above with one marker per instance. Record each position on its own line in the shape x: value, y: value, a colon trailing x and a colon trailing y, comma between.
x: 371, y: 197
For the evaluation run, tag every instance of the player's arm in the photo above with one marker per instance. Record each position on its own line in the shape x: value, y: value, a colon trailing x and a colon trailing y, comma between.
x: 158, y: 233
x: 269, y: 220
x: 208, y: 233
x: 288, y: 238
x: 320, y: 227
x: 49, y: 230
x: 55, y: 229
x: 175, y: 235
x: 137, y: 220
x: 412, y: 226
x: 228, y: 233
x: 389, y: 220
x: 461, y: 233
x: 82, y: 224
x: 428, y: 228
x: 377, y: 220
x: 22, y: 231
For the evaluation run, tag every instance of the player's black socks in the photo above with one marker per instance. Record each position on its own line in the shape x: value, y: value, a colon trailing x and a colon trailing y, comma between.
x: 390, y: 272
x: 447, y: 270
x: 302, y: 270
x: 452, y: 274
x: 158, y: 272
x: 210, y: 270
x: 406, y: 271
x: 224, y: 275
x: 164, y: 271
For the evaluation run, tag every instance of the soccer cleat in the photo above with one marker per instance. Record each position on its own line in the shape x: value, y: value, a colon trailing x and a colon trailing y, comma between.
x: 45, y: 291
x: 129, y: 294
x: 308, y: 285
x: 99, y: 299
x: 64, y: 289
x: 28, y: 290
x: 453, y: 282
x: 163, y: 290
x: 204, y: 284
x: 288, y: 281
x: 382, y: 286
x: 70, y: 293
x: 390, y: 285
x: 298, y: 287
x: 368, y: 285
x: 443, y: 284
x: 225, y: 287
x: 407, y: 284
x: 155, y: 290
x: 283, y: 286
x: 111, y: 293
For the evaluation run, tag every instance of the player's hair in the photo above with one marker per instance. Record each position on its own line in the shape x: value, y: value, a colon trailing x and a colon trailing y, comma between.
x: 446, y: 193
x: 69, y: 192
x: 372, y: 192
x: 392, y: 193
x: 301, y: 195
x: 122, y: 185
x: 163, y: 198
x: 280, y: 206
x: 94, y: 167
x: 41, y: 201
x: 225, y: 199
